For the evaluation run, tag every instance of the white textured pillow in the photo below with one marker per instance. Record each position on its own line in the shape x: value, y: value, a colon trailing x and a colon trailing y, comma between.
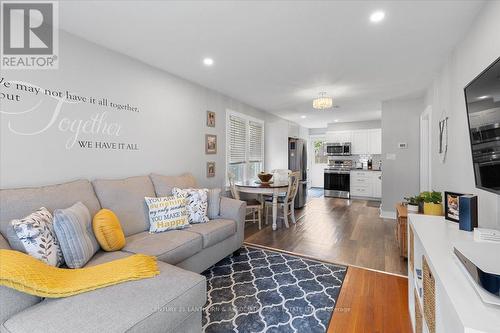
x: 196, y: 203
x: 36, y: 233
x: 167, y: 213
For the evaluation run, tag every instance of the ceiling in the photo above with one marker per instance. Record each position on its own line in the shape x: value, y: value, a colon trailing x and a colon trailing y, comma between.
x: 278, y: 55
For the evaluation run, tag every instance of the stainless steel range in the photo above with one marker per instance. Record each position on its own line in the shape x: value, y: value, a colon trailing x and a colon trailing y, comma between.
x: 338, y: 179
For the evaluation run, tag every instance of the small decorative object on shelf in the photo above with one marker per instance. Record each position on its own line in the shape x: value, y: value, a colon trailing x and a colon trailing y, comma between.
x: 451, y: 206
x: 210, y: 144
x: 433, y: 203
x: 412, y: 203
x: 468, y: 212
x: 210, y: 169
x: 210, y: 119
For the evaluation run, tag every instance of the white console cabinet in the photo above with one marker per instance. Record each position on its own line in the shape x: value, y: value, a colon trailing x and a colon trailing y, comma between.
x: 445, y: 299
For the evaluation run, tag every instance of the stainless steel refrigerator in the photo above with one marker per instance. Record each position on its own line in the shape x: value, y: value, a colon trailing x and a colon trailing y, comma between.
x: 297, y: 161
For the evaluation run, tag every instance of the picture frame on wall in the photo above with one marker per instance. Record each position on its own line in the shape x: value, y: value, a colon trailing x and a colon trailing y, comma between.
x: 451, y: 206
x: 210, y: 118
x: 210, y: 169
x: 211, y: 144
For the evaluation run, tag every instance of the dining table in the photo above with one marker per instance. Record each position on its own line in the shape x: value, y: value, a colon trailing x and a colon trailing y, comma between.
x: 257, y: 187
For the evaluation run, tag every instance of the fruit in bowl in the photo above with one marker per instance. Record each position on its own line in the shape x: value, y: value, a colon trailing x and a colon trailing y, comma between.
x: 265, y: 177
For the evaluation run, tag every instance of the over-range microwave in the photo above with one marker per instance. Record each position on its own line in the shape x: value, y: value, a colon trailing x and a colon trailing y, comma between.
x: 338, y: 149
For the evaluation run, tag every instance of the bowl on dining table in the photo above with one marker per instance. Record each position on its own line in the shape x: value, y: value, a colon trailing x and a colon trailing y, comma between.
x: 265, y: 177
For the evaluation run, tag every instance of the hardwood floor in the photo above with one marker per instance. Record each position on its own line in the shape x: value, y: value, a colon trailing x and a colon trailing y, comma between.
x: 371, y: 302
x: 348, y: 232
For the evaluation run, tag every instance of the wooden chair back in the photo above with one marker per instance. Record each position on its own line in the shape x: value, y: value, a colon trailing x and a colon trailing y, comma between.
x: 232, y: 186
x: 293, y: 185
x: 281, y: 174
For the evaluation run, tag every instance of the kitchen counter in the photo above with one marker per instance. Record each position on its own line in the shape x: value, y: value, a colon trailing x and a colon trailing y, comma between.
x: 366, y: 170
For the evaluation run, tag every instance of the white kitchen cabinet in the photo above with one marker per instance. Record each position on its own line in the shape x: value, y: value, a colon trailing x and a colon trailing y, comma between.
x: 360, y: 142
x: 377, y: 185
x: 339, y: 136
x: 366, y: 141
x: 366, y: 184
x: 375, y: 141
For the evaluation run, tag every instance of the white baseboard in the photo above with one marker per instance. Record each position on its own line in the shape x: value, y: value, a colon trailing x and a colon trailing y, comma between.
x: 388, y: 214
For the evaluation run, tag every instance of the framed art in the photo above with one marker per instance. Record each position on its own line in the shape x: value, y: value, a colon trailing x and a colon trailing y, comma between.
x: 210, y: 119
x: 210, y: 169
x: 451, y: 206
x: 210, y: 144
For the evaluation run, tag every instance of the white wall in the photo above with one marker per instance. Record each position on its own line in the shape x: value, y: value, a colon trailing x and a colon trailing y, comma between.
x: 169, y: 128
x: 400, y: 176
x: 479, y: 48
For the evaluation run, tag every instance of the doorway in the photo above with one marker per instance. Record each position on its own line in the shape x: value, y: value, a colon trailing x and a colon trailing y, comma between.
x: 318, y: 159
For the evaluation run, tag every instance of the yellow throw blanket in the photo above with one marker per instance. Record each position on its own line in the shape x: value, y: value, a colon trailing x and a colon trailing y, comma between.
x: 29, y: 275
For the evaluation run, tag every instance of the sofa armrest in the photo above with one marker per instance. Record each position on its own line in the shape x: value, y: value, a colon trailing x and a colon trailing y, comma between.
x: 232, y: 209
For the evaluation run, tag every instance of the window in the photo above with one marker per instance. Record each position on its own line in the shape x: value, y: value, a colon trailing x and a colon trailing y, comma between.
x: 244, y: 145
x: 320, y: 156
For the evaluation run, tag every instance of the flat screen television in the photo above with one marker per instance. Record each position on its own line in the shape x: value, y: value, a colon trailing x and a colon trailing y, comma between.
x: 482, y: 97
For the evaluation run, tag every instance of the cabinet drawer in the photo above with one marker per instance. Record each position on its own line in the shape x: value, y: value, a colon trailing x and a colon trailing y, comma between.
x: 361, y: 191
x: 360, y: 180
x: 360, y: 173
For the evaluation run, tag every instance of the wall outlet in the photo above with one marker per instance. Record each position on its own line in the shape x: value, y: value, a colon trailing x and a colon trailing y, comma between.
x: 390, y: 156
x: 402, y: 145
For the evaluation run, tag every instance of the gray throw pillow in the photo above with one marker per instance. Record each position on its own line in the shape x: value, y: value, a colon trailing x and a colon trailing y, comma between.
x: 73, y: 227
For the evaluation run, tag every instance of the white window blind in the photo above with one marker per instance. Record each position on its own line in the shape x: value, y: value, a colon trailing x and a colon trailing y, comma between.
x: 237, y: 139
x: 244, y: 145
x: 256, y: 142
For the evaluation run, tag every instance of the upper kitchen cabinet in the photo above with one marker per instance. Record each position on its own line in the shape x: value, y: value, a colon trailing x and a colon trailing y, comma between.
x: 360, y: 143
x: 365, y: 141
x: 339, y: 136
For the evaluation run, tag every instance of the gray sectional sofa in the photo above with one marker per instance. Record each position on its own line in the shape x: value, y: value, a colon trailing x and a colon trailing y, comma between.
x: 170, y: 302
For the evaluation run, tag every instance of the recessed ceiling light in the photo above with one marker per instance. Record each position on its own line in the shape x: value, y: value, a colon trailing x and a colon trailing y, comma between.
x: 303, y: 117
x: 336, y: 120
x: 377, y: 16
x: 483, y: 97
x: 208, y: 61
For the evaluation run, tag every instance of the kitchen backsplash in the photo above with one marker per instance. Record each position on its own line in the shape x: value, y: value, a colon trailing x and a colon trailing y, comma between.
x: 363, y: 159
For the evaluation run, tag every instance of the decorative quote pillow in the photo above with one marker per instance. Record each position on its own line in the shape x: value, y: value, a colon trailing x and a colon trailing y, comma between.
x: 36, y: 233
x: 196, y: 203
x: 167, y: 213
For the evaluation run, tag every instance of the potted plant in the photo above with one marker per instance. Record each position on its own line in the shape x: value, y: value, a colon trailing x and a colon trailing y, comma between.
x: 433, y: 203
x: 412, y: 203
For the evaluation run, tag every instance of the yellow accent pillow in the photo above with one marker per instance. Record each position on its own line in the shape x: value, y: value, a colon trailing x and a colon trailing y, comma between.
x: 108, y: 230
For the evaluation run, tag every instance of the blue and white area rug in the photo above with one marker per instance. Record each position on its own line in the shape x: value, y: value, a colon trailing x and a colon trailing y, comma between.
x: 267, y: 291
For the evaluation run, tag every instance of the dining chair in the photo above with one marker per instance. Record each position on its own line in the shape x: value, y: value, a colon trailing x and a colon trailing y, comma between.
x: 254, y: 207
x: 287, y: 202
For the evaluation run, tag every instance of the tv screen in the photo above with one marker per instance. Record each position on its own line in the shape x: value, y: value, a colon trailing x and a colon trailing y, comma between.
x: 482, y: 97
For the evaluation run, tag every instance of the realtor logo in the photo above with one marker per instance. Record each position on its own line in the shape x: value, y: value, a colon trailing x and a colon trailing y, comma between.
x: 29, y: 35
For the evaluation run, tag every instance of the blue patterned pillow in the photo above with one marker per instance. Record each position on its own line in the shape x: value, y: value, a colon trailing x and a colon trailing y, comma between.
x: 73, y: 227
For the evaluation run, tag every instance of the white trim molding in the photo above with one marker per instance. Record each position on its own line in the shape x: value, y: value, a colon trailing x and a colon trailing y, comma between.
x: 385, y: 214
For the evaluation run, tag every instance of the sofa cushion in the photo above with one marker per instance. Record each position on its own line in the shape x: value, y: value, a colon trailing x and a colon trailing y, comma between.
x: 125, y: 197
x: 17, y: 203
x: 102, y: 257
x: 214, y: 231
x: 160, y: 303
x: 164, y: 184
x: 171, y: 246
